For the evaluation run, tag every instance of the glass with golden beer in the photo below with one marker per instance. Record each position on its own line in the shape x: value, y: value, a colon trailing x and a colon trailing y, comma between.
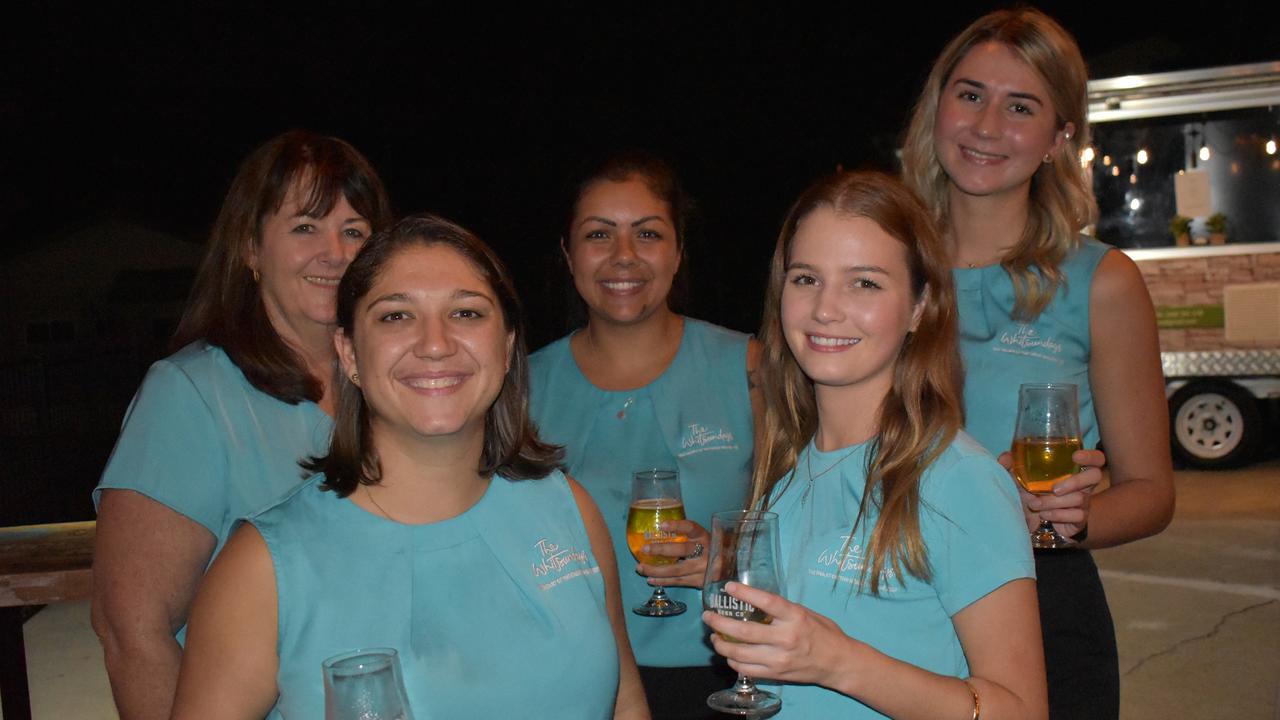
x: 655, y: 499
x: 744, y: 549
x: 1046, y: 434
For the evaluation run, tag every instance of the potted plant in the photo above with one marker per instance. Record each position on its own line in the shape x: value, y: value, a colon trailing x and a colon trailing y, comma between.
x: 1180, y: 226
x: 1216, y: 224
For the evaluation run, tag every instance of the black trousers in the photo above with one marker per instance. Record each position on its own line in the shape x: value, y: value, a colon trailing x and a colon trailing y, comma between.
x: 1079, y: 637
x: 680, y: 693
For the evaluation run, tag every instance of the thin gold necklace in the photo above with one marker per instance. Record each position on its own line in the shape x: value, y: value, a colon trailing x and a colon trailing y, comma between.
x: 369, y: 493
x: 808, y: 463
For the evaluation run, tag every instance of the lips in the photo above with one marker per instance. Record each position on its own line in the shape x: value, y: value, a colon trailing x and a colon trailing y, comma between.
x: 435, y: 383
x: 826, y: 343
x: 622, y: 286
x: 982, y: 158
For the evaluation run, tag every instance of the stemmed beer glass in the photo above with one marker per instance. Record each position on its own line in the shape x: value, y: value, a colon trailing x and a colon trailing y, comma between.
x: 744, y: 549
x: 365, y: 685
x: 1046, y: 434
x: 655, y: 499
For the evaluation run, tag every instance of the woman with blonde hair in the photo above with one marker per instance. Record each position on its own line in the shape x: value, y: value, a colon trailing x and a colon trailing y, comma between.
x: 993, y: 149
x: 910, y: 587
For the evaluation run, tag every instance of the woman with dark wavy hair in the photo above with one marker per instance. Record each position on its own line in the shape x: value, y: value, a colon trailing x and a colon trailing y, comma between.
x: 216, y: 430
x: 437, y: 524
x: 910, y: 590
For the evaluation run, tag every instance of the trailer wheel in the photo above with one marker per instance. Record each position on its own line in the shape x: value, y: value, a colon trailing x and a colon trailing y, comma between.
x: 1214, y: 424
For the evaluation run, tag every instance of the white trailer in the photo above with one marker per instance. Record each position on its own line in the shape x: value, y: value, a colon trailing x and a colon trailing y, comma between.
x: 1197, y: 144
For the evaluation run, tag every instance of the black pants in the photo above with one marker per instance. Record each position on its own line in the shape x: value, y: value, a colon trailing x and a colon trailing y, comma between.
x: 680, y: 693
x: 1079, y: 637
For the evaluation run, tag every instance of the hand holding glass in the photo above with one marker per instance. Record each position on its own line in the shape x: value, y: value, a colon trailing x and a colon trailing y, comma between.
x: 1047, y: 433
x: 744, y: 549
x: 365, y: 685
x: 655, y: 499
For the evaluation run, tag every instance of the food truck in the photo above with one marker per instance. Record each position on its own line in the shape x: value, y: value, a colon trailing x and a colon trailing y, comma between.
x: 1187, y: 176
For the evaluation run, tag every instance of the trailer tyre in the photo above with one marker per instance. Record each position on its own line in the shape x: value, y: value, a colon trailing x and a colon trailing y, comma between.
x: 1214, y: 424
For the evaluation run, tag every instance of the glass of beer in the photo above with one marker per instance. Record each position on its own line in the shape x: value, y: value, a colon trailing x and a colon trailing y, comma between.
x: 1046, y: 434
x: 744, y: 549
x: 655, y: 498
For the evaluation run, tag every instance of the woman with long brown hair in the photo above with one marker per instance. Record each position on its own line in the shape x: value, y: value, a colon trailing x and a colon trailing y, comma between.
x: 993, y: 148
x: 910, y: 589
x: 216, y: 430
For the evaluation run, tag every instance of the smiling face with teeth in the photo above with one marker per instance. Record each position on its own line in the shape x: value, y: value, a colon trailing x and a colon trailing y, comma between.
x: 995, y: 123
x: 300, y: 260
x: 431, y: 346
x: 847, y: 305
x: 623, y: 251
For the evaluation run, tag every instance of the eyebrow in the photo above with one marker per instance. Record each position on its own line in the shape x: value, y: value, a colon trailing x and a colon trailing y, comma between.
x: 461, y: 294
x: 1022, y: 95
x: 611, y: 223
x: 848, y: 269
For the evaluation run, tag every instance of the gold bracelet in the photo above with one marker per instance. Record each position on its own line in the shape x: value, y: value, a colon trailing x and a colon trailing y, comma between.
x: 977, y: 703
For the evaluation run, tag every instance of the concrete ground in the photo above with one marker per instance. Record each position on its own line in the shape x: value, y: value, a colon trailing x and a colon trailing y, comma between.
x: 1197, y: 613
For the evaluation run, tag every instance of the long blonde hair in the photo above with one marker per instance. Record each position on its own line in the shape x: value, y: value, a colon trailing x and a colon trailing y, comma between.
x: 921, y: 413
x: 1061, y: 202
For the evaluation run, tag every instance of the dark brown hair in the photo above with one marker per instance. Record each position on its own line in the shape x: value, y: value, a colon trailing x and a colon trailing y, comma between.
x: 225, y: 308
x: 922, y: 413
x: 511, y: 444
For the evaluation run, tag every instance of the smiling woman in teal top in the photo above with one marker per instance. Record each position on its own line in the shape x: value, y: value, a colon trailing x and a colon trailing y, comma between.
x: 994, y: 149
x: 909, y: 588
x: 643, y: 387
x: 438, y: 524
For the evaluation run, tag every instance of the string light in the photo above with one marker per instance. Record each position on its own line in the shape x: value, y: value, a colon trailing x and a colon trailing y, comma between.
x: 1106, y: 160
x: 1143, y: 157
x: 1115, y: 171
x: 1087, y: 154
x: 1270, y: 147
x: 1133, y: 179
x: 1204, y: 152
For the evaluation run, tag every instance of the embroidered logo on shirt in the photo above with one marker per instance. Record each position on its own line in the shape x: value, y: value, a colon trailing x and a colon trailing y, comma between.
x: 699, y: 438
x: 1024, y: 340
x: 554, y: 564
x: 844, y: 562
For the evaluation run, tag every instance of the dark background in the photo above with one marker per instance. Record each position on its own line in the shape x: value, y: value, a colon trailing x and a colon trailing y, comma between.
x: 478, y: 112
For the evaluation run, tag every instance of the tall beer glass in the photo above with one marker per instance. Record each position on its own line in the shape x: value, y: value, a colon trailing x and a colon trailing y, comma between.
x: 744, y: 549
x: 1046, y: 434
x: 655, y: 498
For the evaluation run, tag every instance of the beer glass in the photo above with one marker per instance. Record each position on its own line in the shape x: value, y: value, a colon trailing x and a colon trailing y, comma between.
x: 365, y: 685
x: 745, y: 549
x: 655, y: 498
x: 1046, y: 434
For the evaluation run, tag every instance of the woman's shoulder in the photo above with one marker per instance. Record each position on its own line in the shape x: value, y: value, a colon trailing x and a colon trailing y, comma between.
x: 549, y: 355
x: 202, y: 363
x: 711, y: 332
x: 966, y: 463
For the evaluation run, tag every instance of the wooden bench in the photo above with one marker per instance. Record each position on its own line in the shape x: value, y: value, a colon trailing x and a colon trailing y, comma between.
x: 39, y: 565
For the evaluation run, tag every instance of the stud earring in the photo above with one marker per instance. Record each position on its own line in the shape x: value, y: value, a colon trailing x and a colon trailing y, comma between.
x: 355, y: 378
x: 256, y: 275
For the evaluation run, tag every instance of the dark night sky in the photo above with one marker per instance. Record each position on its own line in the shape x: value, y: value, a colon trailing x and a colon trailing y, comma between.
x: 116, y: 112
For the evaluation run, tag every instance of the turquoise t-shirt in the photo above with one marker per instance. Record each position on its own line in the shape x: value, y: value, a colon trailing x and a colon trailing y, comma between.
x: 695, y: 417
x: 199, y: 439
x: 498, y: 612
x: 1001, y: 353
x: 974, y: 535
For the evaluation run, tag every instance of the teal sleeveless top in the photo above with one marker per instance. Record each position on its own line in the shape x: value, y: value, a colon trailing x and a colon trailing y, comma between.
x: 498, y: 612
x: 1000, y: 353
x: 695, y: 417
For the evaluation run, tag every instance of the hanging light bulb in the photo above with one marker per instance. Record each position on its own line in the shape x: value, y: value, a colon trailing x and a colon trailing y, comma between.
x: 1133, y: 179
x: 1135, y: 204
x: 1143, y: 157
x: 1270, y: 147
x: 1115, y: 171
x: 1204, y: 152
x: 1087, y: 154
x: 1106, y: 160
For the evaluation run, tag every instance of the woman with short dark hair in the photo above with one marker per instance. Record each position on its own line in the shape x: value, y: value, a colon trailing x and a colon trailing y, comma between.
x: 437, y: 524
x: 216, y: 430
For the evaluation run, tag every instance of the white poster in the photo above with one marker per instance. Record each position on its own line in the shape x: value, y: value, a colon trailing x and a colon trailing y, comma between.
x: 1191, y: 189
